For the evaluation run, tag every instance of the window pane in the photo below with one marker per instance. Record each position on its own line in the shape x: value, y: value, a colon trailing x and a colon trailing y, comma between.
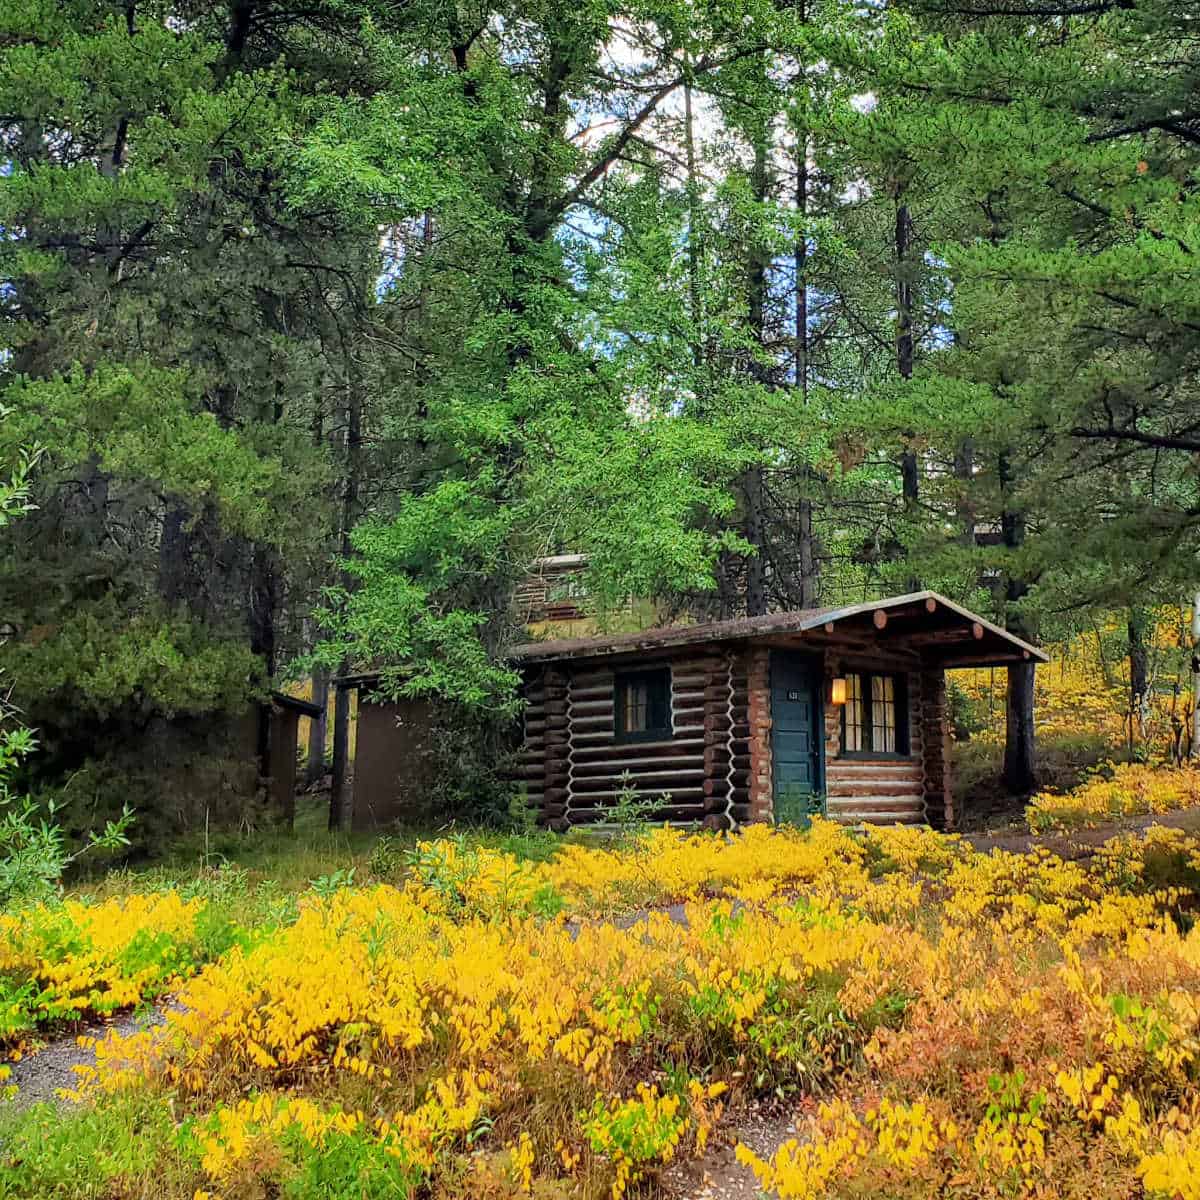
x: 637, y: 707
x: 852, y: 714
x: 883, y: 714
x: 643, y: 704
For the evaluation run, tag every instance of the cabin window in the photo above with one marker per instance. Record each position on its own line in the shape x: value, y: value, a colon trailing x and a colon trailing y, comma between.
x: 852, y: 715
x: 642, y: 705
x: 875, y: 715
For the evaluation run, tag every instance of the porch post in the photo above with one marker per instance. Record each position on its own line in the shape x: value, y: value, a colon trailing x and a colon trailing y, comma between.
x: 940, y: 809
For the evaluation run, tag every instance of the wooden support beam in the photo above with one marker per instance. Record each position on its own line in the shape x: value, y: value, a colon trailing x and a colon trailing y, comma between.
x: 998, y: 659
x: 938, y: 637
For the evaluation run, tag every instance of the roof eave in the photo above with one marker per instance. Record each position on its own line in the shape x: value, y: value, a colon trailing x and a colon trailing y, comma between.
x: 745, y: 629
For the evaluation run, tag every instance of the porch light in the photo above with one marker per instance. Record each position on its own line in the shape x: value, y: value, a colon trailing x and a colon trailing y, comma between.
x: 837, y: 692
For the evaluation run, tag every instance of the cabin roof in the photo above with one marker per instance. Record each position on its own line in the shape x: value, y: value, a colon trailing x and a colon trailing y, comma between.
x: 963, y: 638
x: 306, y: 708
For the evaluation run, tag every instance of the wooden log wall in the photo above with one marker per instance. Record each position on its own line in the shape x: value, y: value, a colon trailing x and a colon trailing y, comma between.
x: 531, y: 761
x: 540, y: 596
x: 572, y: 763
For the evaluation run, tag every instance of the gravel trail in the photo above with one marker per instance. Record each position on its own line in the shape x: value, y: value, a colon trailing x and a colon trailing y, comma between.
x: 42, y: 1073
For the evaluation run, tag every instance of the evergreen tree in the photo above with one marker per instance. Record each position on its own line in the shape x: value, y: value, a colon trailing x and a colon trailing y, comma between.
x: 175, y: 315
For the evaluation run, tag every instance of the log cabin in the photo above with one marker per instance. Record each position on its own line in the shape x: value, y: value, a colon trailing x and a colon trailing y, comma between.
x: 840, y: 711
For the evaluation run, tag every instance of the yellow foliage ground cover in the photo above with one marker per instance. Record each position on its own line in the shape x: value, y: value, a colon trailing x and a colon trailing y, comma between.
x: 1083, y: 696
x: 67, y: 960
x: 1117, y: 790
x: 1071, y: 699
x: 954, y: 1024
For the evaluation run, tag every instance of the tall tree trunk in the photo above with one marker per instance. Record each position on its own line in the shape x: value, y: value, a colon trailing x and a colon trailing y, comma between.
x: 263, y: 599
x: 1020, y: 743
x: 318, y: 727
x: 964, y: 472
x: 1020, y: 746
x: 695, y: 295
x: 756, y: 575
x: 910, y: 481
x: 806, y: 544
x: 338, y: 792
x: 752, y: 484
x: 173, y: 555
x: 1194, y: 749
x: 1139, y: 672
x: 338, y: 808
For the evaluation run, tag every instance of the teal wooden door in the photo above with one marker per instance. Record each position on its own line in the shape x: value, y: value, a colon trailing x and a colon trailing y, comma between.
x: 795, y: 735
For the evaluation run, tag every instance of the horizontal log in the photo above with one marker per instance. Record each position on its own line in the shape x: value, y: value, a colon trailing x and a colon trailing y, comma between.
x: 685, y: 791
x: 592, y: 678
x: 719, y: 785
x: 599, y: 768
x: 845, y: 804
x: 884, y: 787
x: 721, y: 732
x: 670, y: 748
x: 591, y: 693
x: 599, y: 814
x: 875, y: 766
x: 997, y: 659
x: 839, y: 768
x: 877, y: 818
x: 592, y: 720
x: 675, y: 814
x: 595, y: 740
x: 654, y: 781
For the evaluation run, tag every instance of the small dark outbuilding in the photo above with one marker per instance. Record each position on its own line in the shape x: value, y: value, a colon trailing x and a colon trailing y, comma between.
x: 841, y: 710
x: 284, y: 725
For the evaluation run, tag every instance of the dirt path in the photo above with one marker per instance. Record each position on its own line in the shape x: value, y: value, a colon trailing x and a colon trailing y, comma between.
x: 716, y: 1174
x: 40, y: 1075
x: 1081, y: 843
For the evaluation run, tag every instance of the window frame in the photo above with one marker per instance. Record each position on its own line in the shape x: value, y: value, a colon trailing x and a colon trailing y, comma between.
x: 658, y: 696
x: 900, y: 685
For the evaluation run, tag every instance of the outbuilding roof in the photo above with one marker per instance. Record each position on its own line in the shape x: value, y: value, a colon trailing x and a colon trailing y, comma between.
x: 957, y: 634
